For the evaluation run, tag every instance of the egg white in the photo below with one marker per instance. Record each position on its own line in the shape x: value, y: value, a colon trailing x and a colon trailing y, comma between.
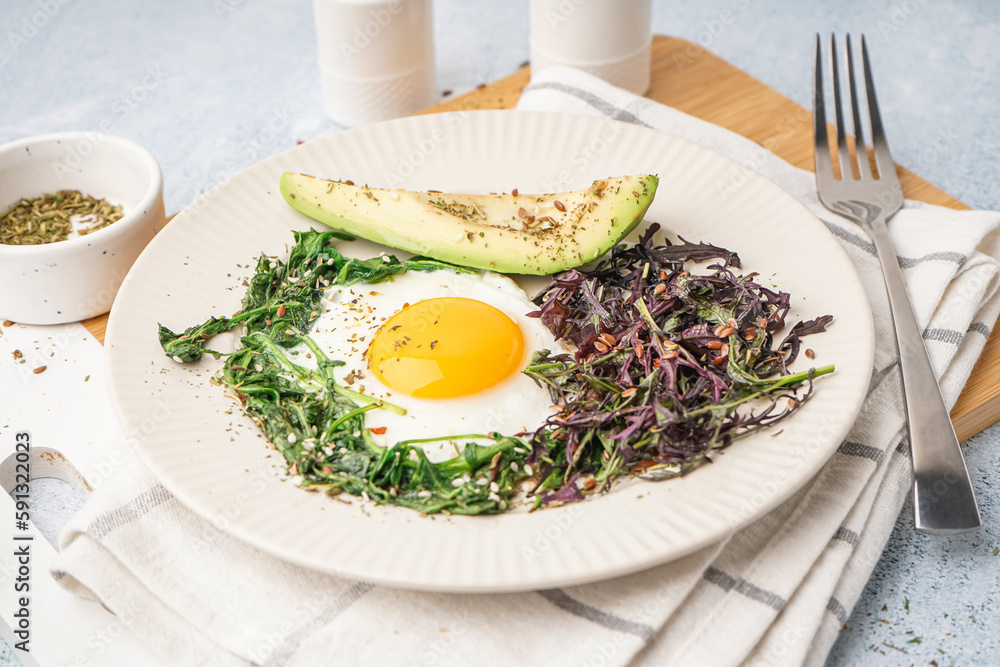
x: 351, y: 317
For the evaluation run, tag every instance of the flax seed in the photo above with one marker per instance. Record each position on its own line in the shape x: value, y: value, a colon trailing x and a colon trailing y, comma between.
x: 714, y: 344
x: 629, y: 392
x: 810, y: 354
x: 559, y: 205
x: 660, y: 289
x: 281, y: 310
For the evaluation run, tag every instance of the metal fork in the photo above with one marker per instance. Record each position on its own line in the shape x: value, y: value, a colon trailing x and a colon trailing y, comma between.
x: 943, y: 500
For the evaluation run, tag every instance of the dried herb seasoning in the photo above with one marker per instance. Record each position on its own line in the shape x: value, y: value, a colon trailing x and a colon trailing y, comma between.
x: 55, y: 217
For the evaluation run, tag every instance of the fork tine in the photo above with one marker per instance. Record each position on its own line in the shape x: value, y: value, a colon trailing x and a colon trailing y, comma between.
x: 883, y: 158
x: 844, y: 155
x: 821, y: 150
x: 864, y: 169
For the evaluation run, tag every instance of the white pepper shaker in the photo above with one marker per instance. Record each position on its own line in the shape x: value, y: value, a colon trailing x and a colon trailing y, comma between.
x: 611, y: 39
x: 376, y: 58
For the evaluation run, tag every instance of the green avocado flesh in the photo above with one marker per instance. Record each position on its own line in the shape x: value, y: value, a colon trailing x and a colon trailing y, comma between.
x: 508, y: 233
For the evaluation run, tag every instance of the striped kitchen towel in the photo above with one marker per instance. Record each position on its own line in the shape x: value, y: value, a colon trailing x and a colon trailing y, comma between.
x: 775, y: 593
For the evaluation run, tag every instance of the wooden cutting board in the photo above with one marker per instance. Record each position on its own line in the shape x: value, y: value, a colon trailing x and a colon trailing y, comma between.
x: 689, y: 78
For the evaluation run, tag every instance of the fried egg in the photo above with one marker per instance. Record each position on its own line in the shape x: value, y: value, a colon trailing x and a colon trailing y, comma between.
x: 447, y: 347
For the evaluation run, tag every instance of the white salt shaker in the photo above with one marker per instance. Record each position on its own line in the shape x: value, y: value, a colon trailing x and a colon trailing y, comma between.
x: 611, y: 39
x: 376, y: 58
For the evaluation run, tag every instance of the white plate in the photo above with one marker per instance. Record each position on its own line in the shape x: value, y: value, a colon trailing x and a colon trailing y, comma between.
x: 214, y: 460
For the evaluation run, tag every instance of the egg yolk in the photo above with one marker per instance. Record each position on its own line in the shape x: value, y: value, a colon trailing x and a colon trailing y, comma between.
x: 447, y: 347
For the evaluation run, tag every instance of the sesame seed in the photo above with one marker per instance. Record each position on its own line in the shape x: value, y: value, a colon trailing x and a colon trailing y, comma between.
x: 494, y: 487
x: 394, y: 196
x: 292, y: 439
x: 177, y: 359
x: 457, y: 482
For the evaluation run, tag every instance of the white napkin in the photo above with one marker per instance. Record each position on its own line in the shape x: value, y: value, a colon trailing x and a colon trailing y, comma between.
x: 777, y: 592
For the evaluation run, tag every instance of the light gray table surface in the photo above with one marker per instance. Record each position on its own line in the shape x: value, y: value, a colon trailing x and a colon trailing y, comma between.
x: 196, y: 82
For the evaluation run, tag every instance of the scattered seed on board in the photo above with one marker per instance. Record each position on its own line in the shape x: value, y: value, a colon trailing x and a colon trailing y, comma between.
x: 810, y: 354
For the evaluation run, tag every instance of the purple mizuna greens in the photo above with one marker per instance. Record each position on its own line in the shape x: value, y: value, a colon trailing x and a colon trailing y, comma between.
x: 665, y: 359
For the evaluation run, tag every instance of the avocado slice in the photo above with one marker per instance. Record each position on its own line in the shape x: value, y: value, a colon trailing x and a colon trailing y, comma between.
x: 508, y: 233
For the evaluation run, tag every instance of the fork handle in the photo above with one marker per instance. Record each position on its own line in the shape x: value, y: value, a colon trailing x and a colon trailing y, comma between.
x: 943, y: 499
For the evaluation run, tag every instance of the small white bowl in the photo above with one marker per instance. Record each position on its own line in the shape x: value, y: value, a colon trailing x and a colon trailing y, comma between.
x: 78, y: 278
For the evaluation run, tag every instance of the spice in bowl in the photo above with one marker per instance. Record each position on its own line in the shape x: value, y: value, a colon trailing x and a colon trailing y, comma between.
x: 55, y: 217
